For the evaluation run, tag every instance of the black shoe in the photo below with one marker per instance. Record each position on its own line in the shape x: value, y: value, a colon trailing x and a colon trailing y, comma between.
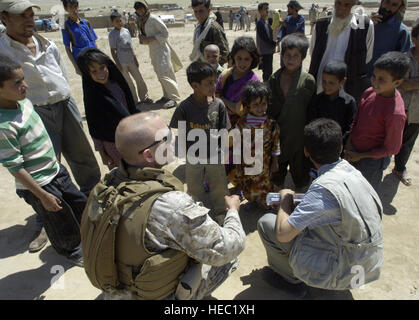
x: 297, y: 290
x: 147, y: 101
x: 162, y: 100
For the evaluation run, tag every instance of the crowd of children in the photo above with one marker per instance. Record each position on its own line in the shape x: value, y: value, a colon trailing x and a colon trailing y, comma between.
x: 232, y: 98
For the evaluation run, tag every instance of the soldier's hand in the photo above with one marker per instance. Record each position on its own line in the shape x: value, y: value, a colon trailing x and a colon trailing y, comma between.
x: 232, y: 202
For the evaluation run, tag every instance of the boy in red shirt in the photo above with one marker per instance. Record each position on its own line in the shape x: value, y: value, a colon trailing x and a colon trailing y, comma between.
x: 377, y: 129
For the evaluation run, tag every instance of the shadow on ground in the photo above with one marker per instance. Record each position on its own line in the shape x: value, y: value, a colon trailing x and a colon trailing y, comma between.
x: 263, y: 288
x: 16, y: 238
x: 150, y: 106
x: 31, y: 284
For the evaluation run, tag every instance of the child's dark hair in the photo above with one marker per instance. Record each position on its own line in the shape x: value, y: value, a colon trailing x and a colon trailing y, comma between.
x: 295, y: 40
x: 7, y: 66
x: 115, y: 15
x: 88, y: 56
x: 336, y: 68
x: 253, y: 91
x: 396, y: 63
x: 206, y: 3
x: 415, y: 31
x: 262, y: 4
x: 248, y: 44
x: 198, y: 71
x: 67, y: 2
x: 323, y: 140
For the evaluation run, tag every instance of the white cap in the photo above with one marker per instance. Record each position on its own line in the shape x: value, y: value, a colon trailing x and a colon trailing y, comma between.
x: 16, y: 7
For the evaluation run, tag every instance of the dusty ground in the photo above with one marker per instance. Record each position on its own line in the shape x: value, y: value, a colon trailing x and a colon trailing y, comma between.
x: 31, y: 276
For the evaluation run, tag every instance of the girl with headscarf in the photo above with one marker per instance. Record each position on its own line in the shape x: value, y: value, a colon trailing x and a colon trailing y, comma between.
x: 107, y: 100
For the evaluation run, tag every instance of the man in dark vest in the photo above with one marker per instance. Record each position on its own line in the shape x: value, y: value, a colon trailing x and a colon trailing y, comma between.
x: 171, y: 223
x: 343, y: 37
x: 390, y: 33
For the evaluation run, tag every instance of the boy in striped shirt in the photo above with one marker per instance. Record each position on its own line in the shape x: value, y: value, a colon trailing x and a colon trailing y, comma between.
x: 27, y: 152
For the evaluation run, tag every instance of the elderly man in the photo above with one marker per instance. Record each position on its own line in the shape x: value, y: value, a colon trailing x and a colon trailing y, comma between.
x: 49, y: 91
x: 154, y: 34
x: 207, y: 31
x: 390, y: 33
x: 333, y: 238
x: 343, y: 37
x: 175, y: 226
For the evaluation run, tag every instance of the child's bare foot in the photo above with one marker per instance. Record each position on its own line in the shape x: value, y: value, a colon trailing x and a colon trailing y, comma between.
x: 403, y: 177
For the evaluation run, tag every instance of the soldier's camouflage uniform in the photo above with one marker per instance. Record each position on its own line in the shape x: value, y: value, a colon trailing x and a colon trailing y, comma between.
x: 176, y: 221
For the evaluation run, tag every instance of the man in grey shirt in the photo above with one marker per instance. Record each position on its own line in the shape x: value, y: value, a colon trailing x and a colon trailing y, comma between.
x: 336, y: 226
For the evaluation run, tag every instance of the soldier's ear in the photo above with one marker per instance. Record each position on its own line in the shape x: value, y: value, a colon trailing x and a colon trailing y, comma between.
x: 148, y: 156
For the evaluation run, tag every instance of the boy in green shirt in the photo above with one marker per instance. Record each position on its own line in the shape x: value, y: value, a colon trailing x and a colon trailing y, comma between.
x: 26, y: 151
x: 291, y: 92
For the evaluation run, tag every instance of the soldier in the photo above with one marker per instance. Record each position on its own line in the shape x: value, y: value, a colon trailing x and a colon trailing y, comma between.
x: 164, y: 222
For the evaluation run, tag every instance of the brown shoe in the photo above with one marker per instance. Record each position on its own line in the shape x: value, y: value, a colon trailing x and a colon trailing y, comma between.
x: 39, y: 241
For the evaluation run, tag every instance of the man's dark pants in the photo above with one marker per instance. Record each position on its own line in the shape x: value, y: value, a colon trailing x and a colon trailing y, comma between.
x: 63, y: 123
x: 267, y: 61
x: 410, y: 133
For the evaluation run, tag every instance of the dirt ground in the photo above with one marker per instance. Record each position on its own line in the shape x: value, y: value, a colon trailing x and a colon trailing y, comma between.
x: 45, y: 275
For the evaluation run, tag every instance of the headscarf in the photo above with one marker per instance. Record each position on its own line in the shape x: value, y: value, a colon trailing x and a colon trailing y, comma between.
x: 141, y: 20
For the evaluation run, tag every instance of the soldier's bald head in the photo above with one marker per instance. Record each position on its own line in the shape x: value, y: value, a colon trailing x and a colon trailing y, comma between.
x: 136, y: 132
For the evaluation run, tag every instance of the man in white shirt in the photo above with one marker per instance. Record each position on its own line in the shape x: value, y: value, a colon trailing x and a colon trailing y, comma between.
x: 48, y: 90
x: 343, y: 37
